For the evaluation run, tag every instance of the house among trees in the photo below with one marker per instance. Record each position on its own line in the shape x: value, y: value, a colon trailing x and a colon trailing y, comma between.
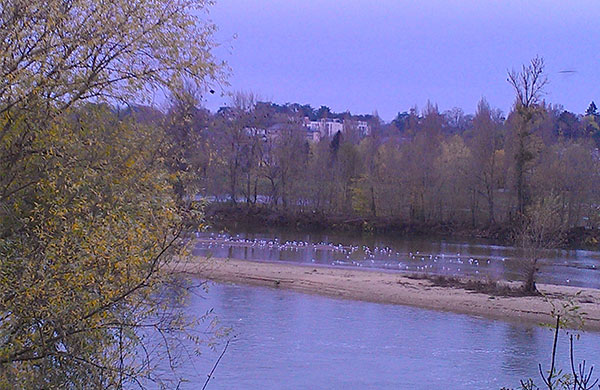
x: 315, y: 130
x: 328, y: 127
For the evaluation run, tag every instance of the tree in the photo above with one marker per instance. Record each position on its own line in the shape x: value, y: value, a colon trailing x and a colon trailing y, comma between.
x: 323, y: 112
x: 569, y: 170
x: 290, y: 157
x: 366, y: 185
x: 81, y: 256
x: 188, y: 154
x: 592, y: 109
x: 346, y: 169
x: 419, y: 157
x: 485, y: 143
x: 528, y: 85
x: 238, y: 140
x: 391, y: 169
x: 335, y: 143
x: 454, y: 179
x: 401, y: 121
x: 62, y: 52
x: 569, y: 126
x: 88, y: 214
x: 456, y: 122
x: 542, y: 229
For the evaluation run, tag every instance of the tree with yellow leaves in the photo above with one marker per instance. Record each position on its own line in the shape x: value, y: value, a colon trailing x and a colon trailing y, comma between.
x: 88, y: 215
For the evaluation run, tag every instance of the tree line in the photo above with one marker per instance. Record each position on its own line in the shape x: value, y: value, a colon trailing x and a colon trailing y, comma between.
x: 425, y: 166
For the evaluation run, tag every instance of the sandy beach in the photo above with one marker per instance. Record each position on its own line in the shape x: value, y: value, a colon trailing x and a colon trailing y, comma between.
x: 396, y: 288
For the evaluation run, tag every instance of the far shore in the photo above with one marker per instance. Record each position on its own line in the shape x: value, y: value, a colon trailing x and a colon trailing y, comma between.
x: 229, y: 217
x: 401, y: 289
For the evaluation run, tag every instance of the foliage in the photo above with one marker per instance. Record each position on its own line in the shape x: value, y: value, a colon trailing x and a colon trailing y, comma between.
x: 592, y: 109
x: 61, y: 52
x: 81, y: 250
x: 88, y: 212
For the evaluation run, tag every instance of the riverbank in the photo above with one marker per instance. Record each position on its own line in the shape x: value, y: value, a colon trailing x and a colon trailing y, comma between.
x: 395, y: 288
x: 231, y: 218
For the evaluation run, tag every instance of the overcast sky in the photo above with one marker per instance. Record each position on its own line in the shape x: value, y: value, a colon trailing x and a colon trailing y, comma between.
x: 385, y: 55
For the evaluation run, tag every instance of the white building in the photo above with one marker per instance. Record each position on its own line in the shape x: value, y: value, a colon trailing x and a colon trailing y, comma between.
x: 363, y: 128
x: 328, y: 127
x: 325, y: 127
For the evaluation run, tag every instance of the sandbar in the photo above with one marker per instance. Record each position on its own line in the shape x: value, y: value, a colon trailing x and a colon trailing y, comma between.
x: 401, y: 289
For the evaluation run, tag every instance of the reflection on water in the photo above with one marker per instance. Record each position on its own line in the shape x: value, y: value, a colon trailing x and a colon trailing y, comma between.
x: 474, y: 258
x: 288, y: 340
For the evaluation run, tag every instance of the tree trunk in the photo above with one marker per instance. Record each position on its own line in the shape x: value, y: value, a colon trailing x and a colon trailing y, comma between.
x: 373, y: 209
x: 492, y: 217
x: 529, y: 283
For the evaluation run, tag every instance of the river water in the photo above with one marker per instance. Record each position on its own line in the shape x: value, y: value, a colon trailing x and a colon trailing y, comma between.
x: 289, y: 340
x: 459, y: 258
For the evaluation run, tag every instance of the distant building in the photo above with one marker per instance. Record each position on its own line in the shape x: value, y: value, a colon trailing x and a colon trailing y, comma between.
x: 257, y: 132
x: 314, y: 130
x: 328, y: 127
x: 363, y: 128
x: 325, y: 127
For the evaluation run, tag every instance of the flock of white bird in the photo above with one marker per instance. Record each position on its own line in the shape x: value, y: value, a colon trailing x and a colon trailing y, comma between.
x: 344, y: 255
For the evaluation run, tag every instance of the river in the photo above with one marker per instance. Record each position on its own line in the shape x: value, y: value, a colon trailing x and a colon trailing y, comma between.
x: 477, y: 258
x: 289, y: 340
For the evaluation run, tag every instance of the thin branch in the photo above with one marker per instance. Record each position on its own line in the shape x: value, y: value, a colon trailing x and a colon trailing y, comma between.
x: 215, y: 366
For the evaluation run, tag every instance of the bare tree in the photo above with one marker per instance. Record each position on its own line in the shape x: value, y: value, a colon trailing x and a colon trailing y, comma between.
x: 529, y: 84
x: 237, y: 130
x: 543, y: 228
